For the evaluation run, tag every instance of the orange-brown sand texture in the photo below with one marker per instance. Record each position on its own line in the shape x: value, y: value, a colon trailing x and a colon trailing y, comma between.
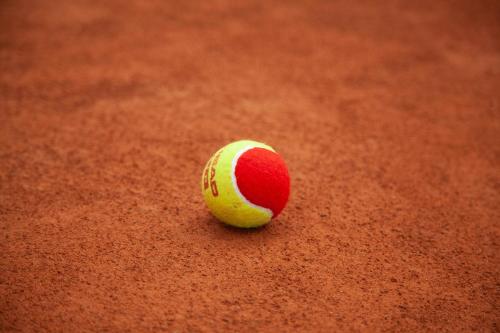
x: 387, y: 113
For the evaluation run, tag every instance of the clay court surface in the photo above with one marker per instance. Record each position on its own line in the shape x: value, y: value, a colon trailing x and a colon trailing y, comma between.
x: 386, y: 112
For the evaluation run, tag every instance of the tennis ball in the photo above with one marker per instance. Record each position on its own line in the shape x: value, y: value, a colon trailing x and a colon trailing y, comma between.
x: 245, y: 184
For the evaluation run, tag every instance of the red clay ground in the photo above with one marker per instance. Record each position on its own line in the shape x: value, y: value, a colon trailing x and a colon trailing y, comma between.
x: 387, y: 113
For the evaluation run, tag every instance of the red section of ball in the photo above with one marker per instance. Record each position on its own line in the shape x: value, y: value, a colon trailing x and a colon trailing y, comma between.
x: 262, y: 177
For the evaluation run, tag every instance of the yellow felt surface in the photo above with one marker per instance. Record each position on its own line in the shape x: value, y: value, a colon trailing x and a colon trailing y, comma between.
x: 227, y: 205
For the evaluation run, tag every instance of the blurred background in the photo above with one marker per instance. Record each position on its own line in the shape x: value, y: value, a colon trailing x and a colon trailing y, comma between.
x: 387, y: 113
